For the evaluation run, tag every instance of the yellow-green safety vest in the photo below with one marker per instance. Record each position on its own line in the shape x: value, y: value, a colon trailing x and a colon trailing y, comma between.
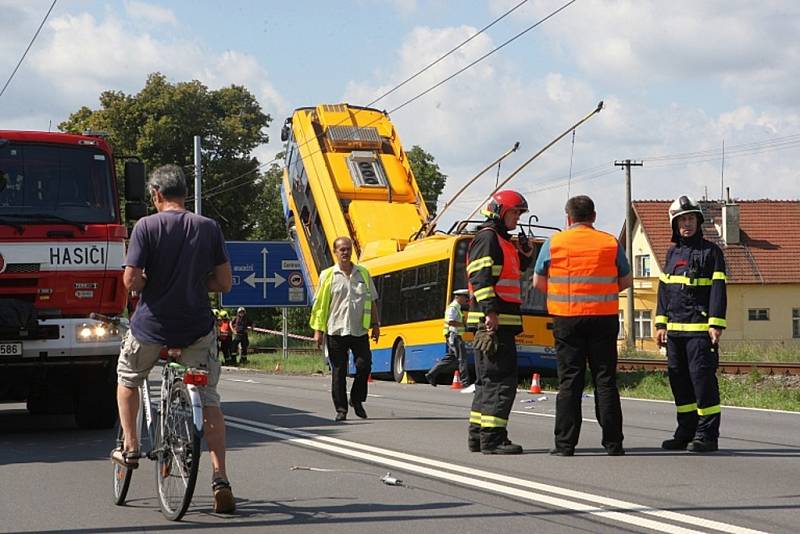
x: 322, y: 302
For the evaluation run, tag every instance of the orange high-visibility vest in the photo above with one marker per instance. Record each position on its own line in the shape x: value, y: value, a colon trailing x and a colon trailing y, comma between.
x: 583, y: 275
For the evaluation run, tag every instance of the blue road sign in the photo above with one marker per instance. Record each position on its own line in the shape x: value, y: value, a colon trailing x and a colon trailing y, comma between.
x: 265, y: 274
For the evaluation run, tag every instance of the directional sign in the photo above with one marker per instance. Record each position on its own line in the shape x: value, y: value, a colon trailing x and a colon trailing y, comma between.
x: 265, y: 274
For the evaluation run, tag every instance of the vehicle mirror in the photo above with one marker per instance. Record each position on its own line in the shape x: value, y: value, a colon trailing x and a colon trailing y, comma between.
x: 287, y: 125
x: 135, y: 210
x: 134, y: 181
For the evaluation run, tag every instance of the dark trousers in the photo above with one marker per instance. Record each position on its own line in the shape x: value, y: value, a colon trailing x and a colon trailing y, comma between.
x: 241, y: 342
x: 456, y: 358
x: 692, y: 367
x: 225, y: 348
x: 338, y: 347
x: 495, y: 390
x: 580, y: 340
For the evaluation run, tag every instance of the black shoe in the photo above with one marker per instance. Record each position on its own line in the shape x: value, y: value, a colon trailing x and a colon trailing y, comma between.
x: 674, y: 444
x: 504, y: 448
x: 340, y: 416
x: 562, y: 451
x: 431, y: 379
x: 698, y: 445
x: 358, y: 408
x: 474, y: 445
x: 615, y: 449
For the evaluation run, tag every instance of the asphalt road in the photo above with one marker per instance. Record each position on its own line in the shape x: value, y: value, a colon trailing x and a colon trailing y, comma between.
x: 55, y: 478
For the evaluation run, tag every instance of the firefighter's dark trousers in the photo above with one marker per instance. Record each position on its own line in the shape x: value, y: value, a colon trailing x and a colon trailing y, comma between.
x: 580, y: 340
x: 692, y: 366
x: 495, y: 390
x: 456, y: 358
x: 338, y: 347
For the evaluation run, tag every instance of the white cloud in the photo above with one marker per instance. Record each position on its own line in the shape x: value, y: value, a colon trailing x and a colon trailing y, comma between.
x: 150, y: 13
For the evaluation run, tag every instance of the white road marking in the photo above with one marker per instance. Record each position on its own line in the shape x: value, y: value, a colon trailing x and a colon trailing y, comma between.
x: 631, y: 512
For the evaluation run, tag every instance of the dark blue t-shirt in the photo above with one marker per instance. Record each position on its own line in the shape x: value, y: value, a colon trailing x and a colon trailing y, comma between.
x: 177, y: 250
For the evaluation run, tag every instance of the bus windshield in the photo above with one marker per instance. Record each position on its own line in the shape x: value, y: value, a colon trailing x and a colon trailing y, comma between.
x: 51, y: 183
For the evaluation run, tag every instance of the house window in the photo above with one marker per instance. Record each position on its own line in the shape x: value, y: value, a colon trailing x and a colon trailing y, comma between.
x: 642, y: 324
x: 642, y: 268
x: 795, y: 322
x: 758, y: 314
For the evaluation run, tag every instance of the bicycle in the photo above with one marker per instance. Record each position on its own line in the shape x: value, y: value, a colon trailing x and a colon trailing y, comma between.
x: 172, y: 438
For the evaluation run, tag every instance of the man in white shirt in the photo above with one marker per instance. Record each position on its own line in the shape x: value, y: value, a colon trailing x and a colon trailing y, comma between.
x: 345, y: 308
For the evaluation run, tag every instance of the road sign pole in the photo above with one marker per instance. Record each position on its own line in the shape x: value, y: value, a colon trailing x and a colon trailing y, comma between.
x: 285, y: 334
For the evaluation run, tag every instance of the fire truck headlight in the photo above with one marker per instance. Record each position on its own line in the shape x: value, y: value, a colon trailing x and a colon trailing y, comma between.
x: 96, y: 332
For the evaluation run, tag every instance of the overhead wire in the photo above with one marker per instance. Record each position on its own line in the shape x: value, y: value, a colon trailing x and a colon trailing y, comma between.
x: 21, y: 59
x: 460, y: 71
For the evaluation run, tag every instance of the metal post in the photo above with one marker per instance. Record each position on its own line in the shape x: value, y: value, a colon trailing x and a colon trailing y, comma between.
x: 198, y: 175
x: 285, y: 334
x: 630, y: 335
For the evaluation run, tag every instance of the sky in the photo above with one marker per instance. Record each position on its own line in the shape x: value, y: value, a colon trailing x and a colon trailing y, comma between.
x: 679, y: 79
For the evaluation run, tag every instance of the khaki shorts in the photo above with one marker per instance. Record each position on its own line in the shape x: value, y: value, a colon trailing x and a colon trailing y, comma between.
x: 137, y: 359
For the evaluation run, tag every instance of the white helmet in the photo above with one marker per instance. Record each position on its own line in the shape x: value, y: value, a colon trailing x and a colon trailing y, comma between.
x: 684, y: 204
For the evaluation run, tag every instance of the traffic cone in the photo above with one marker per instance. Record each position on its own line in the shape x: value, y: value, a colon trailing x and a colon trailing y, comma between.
x: 277, y: 368
x: 407, y: 379
x: 456, y: 380
x: 535, y: 386
x: 369, y: 378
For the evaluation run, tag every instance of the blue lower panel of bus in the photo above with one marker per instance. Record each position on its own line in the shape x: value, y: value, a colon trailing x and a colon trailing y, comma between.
x: 423, y: 357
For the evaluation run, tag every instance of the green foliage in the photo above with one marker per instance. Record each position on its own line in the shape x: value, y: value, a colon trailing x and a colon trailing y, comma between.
x: 159, y: 123
x: 430, y: 179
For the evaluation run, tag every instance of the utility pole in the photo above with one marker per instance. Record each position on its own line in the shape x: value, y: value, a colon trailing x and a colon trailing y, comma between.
x: 198, y: 175
x: 630, y: 337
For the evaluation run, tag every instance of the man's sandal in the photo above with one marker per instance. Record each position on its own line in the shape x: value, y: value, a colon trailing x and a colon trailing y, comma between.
x: 127, y: 459
x: 224, y: 502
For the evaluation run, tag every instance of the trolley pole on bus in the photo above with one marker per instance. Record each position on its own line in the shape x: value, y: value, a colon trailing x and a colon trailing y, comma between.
x: 630, y: 335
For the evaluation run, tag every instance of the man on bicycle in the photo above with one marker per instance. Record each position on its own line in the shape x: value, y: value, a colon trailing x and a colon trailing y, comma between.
x: 175, y: 258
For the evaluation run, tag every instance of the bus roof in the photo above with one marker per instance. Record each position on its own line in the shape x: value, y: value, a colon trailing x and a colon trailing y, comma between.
x: 431, y: 248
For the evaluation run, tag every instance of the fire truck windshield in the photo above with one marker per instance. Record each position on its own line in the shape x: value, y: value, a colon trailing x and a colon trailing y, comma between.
x: 45, y: 183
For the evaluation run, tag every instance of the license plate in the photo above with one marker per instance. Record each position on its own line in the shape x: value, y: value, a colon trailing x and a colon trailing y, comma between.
x: 11, y: 349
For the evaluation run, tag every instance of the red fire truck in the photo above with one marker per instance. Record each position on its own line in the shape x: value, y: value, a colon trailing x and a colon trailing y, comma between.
x: 62, y: 241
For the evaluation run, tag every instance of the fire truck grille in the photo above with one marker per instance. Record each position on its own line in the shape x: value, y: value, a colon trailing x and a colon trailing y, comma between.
x: 22, y: 268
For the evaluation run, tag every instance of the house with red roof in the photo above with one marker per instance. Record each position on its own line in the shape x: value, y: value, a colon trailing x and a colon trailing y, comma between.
x: 761, y: 243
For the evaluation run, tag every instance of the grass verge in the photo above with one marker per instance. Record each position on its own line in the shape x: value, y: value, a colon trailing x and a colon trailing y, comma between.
x: 752, y: 390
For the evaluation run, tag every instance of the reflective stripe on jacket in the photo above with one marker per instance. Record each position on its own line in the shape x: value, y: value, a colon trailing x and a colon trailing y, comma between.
x: 322, y: 302
x: 583, y: 274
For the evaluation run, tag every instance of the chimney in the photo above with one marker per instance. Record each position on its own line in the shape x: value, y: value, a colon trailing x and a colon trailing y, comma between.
x: 730, y: 222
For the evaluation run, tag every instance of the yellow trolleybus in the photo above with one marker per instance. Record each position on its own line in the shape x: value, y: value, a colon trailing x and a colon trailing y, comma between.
x: 346, y: 174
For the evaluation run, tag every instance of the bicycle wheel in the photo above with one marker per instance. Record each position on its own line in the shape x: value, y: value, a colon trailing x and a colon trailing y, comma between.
x: 122, y: 475
x: 177, y: 453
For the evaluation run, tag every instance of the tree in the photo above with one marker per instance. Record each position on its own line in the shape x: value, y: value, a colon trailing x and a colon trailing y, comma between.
x: 159, y: 123
x: 430, y: 179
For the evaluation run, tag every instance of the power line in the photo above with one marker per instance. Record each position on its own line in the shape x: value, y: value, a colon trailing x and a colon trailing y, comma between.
x: 489, y: 53
x: 35, y: 35
x: 470, y: 38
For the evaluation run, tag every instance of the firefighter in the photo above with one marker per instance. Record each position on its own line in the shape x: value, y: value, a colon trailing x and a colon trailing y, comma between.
x: 689, y: 321
x: 453, y: 331
x: 494, y: 264
x: 241, y: 341
x: 224, y: 337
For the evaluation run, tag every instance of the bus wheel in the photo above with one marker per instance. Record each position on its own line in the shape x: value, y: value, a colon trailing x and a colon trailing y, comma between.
x: 399, y: 361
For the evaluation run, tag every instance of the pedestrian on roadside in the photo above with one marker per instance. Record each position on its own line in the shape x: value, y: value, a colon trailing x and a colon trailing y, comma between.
x: 494, y: 264
x: 225, y: 337
x: 175, y: 258
x: 582, y: 270
x: 690, y: 317
x: 456, y: 357
x: 345, y: 308
x: 241, y: 339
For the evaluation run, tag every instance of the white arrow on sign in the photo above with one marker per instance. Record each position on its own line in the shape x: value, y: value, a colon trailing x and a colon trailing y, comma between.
x: 276, y: 279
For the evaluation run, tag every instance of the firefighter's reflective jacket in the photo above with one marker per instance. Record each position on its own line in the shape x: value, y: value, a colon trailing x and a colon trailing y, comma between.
x: 493, y: 268
x: 691, y: 290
